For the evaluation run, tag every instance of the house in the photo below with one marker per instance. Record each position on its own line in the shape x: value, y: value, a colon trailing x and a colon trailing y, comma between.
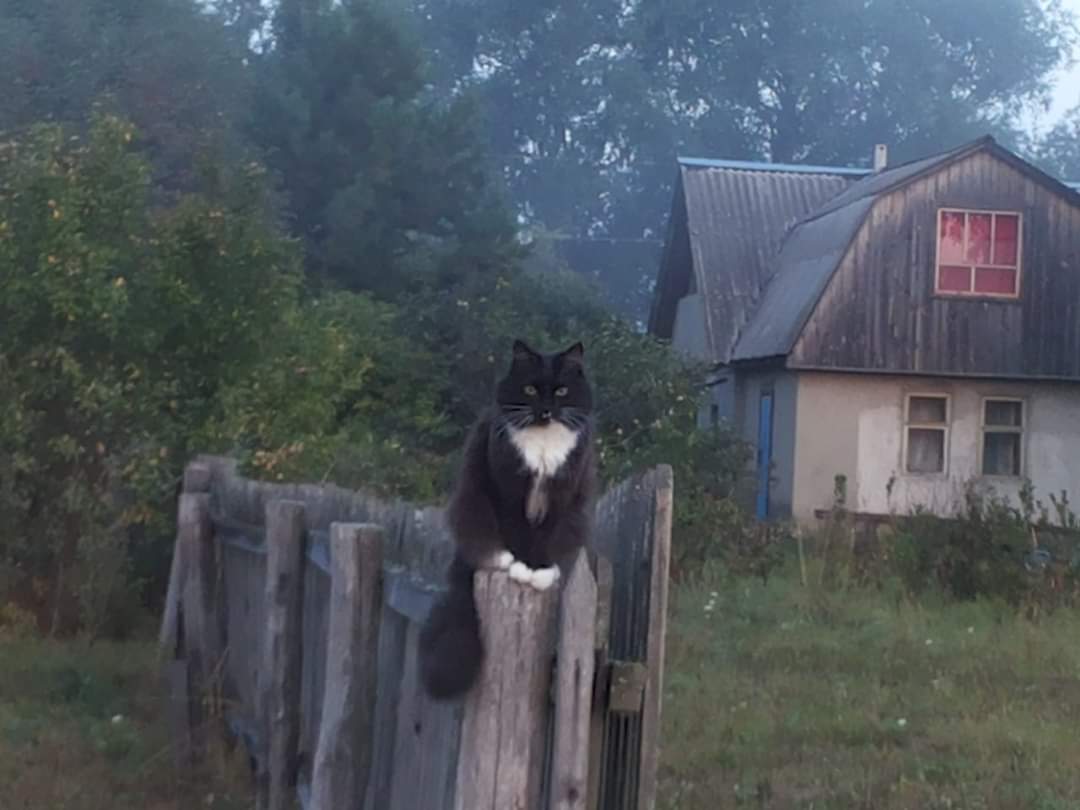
x: 910, y: 328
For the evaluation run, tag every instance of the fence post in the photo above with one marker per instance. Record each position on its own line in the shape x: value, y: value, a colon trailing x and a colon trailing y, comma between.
x: 660, y: 526
x: 343, y: 756
x: 575, y: 663
x: 604, y: 587
x: 189, y: 628
x: 279, y: 686
x: 502, y: 741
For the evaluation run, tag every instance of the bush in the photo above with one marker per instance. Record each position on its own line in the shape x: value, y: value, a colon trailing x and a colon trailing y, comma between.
x: 133, y: 336
x: 985, y: 552
x: 118, y: 324
x: 648, y: 398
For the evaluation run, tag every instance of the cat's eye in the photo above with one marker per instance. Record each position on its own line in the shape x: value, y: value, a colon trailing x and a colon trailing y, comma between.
x: 562, y: 391
x: 530, y: 390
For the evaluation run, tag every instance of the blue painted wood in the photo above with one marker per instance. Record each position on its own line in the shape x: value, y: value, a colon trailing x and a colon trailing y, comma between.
x: 765, y: 437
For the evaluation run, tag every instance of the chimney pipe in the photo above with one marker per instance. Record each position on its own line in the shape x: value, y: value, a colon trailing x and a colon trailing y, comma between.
x: 881, y: 157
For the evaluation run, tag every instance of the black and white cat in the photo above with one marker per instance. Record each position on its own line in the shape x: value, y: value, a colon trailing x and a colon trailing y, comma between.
x: 523, y: 502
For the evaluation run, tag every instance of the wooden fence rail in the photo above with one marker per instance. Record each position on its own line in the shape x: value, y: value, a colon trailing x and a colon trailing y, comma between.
x: 291, y: 625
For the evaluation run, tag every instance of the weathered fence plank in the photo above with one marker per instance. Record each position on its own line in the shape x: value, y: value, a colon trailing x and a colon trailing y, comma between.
x: 633, y: 531
x: 344, y: 754
x: 393, y: 630
x: 425, y: 741
x: 575, y: 663
x: 279, y: 701
x: 196, y: 619
x: 169, y: 637
x: 502, y: 747
x: 322, y: 683
x: 663, y: 497
x: 179, y: 712
x: 598, y: 716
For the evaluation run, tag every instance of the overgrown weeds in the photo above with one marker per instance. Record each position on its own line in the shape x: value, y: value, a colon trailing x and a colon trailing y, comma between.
x: 84, y: 726
x: 781, y: 695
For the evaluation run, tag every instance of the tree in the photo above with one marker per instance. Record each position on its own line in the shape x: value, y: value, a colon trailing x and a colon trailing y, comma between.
x: 589, y: 102
x: 120, y: 323
x: 387, y: 186
x: 166, y: 65
x: 1059, y: 149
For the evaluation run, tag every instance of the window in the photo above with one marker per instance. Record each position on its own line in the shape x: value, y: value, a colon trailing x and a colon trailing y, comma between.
x: 927, y: 428
x: 978, y: 253
x: 1003, y: 437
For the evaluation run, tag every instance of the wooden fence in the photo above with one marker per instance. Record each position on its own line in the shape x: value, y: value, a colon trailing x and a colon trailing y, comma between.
x: 291, y: 626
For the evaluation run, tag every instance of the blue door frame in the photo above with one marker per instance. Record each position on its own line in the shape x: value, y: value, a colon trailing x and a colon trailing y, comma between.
x: 764, y: 454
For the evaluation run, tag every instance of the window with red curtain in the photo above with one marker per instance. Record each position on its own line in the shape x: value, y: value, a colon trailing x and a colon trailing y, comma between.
x: 978, y: 253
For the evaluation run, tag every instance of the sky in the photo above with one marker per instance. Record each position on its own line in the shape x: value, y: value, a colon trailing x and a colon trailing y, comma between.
x: 1067, y: 91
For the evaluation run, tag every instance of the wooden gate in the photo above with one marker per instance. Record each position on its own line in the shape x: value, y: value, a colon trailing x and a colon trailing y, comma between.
x: 291, y: 625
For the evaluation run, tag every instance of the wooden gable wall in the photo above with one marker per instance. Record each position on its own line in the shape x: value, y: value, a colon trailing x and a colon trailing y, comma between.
x: 880, y: 311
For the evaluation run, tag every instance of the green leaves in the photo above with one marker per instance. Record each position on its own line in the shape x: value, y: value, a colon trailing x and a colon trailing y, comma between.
x: 119, y: 325
x: 388, y: 189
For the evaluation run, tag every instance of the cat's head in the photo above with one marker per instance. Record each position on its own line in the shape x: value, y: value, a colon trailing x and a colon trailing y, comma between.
x: 543, y: 388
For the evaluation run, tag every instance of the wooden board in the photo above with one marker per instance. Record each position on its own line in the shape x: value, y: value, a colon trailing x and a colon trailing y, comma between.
x: 502, y: 752
x: 574, y: 662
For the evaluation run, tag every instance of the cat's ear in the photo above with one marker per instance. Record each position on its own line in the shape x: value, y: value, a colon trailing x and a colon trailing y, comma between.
x: 523, y: 353
x: 575, y: 354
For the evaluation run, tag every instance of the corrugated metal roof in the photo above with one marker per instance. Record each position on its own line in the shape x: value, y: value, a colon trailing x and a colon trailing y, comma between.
x: 737, y: 219
x: 807, y: 261
x: 739, y: 215
x: 758, y: 166
x: 813, y: 251
x: 874, y: 185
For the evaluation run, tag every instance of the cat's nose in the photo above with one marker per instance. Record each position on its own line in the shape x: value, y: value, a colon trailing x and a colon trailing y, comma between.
x: 545, y: 415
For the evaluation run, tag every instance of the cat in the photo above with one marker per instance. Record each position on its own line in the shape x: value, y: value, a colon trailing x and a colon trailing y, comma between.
x: 523, y: 503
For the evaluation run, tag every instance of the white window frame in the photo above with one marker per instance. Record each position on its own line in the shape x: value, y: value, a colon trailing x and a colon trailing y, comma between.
x: 1021, y: 431
x: 993, y: 232
x: 945, y: 427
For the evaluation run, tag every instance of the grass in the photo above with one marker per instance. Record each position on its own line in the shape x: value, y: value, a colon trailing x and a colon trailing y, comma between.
x: 82, y: 728
x: 781, y: 696
x: 777, y: 696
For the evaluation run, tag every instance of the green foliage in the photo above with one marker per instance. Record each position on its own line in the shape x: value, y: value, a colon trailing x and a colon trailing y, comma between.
x: 118, y: 325
x: 388, y: 187
x: 648, y: 399
x: 166, y: 65
x: 983, y: 552
x: 781, y: 696
x: 133, y: 336
x: 587, y: 102
x: 82, y: 726
x: 1059, y: 149
x: 347, y: 395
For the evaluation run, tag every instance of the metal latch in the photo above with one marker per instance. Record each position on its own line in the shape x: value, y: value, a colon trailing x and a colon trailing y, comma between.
x: 626, y: 689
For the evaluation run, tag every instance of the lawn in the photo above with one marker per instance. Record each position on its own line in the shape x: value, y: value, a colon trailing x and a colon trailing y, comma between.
x: 777, y: 696
x: 82, y: 728
x: 780, y: 696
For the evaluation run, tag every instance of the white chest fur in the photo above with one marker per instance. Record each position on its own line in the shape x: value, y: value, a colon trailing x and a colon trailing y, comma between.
x: 544, y: 448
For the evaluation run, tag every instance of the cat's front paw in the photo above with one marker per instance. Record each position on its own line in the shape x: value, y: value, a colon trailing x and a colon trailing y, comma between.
x: 544, y: 578
x: 502, y: 560
x: 520, y: 572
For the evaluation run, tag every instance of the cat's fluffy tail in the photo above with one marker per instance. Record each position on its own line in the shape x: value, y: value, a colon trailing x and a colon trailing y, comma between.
x: 451, y: 652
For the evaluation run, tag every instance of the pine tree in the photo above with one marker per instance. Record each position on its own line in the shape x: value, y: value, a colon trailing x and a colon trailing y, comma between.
x: 387, y: 187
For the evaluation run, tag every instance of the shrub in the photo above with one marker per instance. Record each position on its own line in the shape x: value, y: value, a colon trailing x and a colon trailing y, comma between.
x: 983, y: 552
x: 118, y: 324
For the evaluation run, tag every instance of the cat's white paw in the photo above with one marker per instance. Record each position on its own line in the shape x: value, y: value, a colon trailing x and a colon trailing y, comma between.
x: 544, y: 578
x: 520, y: 572
x: 502, y: 560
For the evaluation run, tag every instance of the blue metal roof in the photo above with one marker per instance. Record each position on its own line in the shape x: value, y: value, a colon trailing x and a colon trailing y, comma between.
x: 760, y: 166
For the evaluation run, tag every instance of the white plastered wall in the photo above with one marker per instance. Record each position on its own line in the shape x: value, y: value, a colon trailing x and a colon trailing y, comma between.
x: 853, y: 425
